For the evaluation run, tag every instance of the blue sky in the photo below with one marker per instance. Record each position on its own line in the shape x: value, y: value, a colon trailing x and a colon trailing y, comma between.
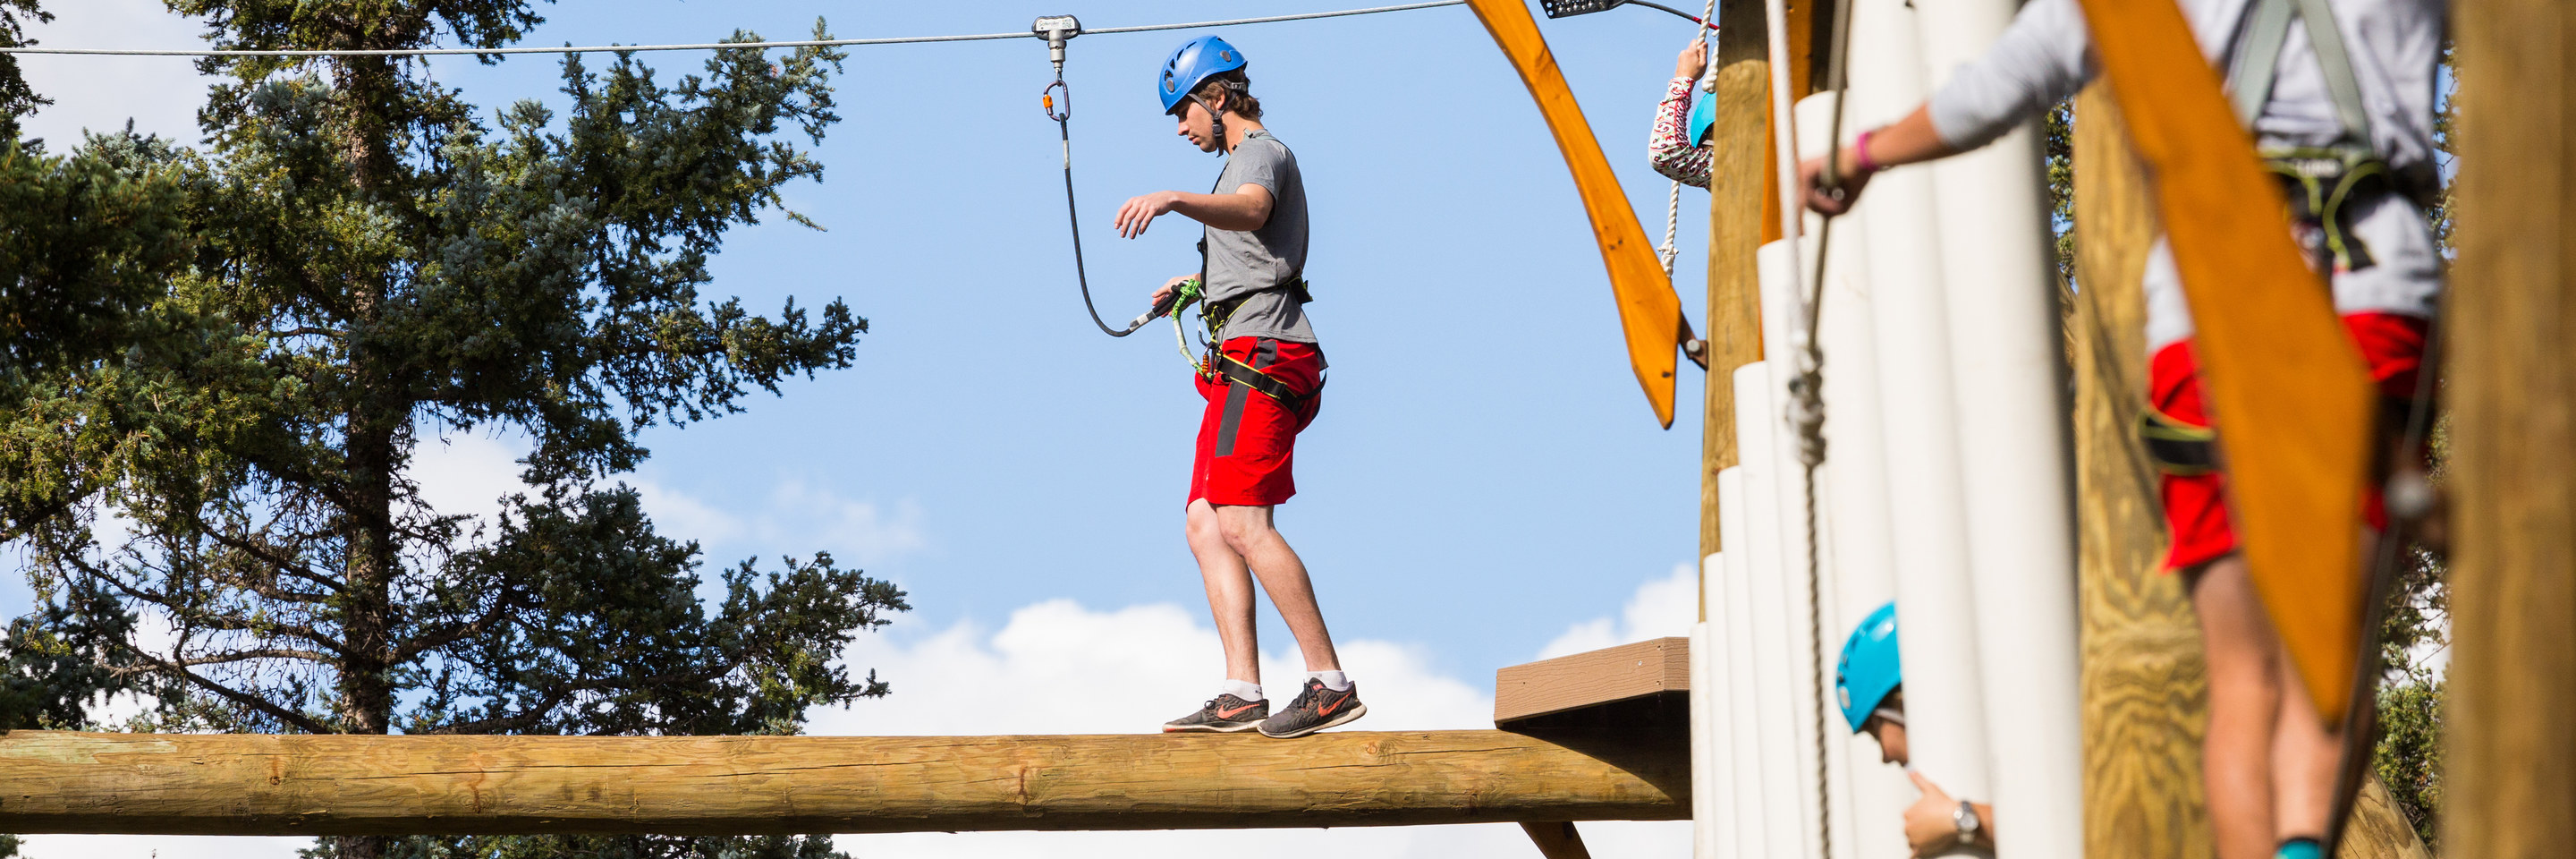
x: 1484, y: 482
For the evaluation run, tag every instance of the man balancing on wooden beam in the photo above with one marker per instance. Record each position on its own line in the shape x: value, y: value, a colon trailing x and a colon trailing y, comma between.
x: 2339, y: 97
x: 1262, y: 377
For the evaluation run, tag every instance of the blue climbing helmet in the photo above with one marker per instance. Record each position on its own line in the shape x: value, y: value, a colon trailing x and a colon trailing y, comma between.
x: 1869, y: 668
x: 1192, y: 64
x: 1703, y: 115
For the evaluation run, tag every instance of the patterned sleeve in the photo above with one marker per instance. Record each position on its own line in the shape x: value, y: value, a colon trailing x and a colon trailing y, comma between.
x: 1667, y: 149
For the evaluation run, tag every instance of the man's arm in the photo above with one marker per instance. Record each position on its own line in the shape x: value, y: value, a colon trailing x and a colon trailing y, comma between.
x: 2042, y: 59
x: 1246, y: 209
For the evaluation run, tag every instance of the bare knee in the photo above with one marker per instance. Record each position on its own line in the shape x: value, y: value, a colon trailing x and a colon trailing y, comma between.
x: 1243, y: 532
x: 1202, y: 526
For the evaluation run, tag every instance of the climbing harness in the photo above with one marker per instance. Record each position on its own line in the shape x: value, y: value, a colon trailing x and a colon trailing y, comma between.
x: 2318, y: 180
x: 2175, y: 446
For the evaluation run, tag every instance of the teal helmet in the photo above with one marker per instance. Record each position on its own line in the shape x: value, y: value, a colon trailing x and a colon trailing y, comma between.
x: 1703, y: 116
x: 1869, y: 668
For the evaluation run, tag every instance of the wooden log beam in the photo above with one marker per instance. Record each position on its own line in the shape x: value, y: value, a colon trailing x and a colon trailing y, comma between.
x: 2510, y: 787
x: 241, y: 784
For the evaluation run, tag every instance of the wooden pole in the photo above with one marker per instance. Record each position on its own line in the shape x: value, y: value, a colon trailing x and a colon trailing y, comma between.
x: 2145, y: 687
x: 1557, y: 840
x: 1737, y: 158
x: 235, y: 784
x: 2511, y: 781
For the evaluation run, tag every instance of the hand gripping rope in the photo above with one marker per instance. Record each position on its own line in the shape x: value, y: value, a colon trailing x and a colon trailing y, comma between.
x: 1057, y: 100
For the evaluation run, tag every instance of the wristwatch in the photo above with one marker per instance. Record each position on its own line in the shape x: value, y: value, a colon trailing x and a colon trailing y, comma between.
x: 1965, y: 818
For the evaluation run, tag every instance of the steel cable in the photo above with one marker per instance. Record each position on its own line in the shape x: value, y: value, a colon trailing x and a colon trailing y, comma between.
x: 706, y: 46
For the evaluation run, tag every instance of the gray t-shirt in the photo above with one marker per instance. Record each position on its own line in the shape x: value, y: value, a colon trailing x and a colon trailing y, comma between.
x: 1256, y: 263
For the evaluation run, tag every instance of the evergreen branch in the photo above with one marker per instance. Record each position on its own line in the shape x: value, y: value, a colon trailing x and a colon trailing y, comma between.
x: 254, y: 702
x: 201, y: 618
x: 448, y: 634
x: 283, y: 564
x: 262, y: 653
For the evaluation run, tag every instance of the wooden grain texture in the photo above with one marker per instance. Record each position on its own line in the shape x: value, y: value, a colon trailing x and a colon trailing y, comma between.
x: 2510, y: 784
x: 2379, y: 830
x: 1588, y: 679
x: 1735, y: 198
x: 2144, y: 685
x: 1650, y: 312
x: 1557, y: 840
x: 53, y: 782
x: 2284, y: 380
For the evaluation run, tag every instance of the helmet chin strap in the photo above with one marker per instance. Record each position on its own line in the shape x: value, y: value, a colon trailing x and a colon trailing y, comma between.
x: 1216, y: 124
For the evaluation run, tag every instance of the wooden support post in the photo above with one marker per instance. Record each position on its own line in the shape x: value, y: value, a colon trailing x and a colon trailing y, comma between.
x: 1737, y: 150
x: 1557, y: 840
x: 2511, y: 781
x: 2145, y: 687
x: 237, y: 784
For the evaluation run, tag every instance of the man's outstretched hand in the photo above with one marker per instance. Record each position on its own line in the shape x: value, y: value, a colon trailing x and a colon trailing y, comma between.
x: 1140, y: 211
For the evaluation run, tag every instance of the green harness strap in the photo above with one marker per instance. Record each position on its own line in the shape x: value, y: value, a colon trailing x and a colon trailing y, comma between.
x: 2319, y: 180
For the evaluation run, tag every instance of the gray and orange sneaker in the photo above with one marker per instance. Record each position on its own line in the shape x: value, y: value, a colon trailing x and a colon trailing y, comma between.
x: 1315, y: 709
x: 1223, y: 714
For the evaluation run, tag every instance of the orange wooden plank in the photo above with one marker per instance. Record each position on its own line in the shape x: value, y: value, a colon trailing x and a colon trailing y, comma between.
x: 1649, y: 311
x: 2286, y: 384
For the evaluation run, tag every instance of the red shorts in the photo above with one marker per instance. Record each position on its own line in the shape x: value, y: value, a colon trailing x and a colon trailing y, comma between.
x: 2196, y: 504
x: 1248, y: 441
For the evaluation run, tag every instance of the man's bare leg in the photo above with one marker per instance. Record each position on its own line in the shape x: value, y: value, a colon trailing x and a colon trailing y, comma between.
x: 2305, y: 758
x: 2245, y: 683
x: 1229, y: 592
x: 1250, y: 536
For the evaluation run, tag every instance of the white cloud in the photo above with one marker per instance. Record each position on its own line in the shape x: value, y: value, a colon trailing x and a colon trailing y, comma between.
x: 466, y: 473
x: 1662, y: 607
x: 859, y: 531
x: 1161, y: 660
x: 160, y: 94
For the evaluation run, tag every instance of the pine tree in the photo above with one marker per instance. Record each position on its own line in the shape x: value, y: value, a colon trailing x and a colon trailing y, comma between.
x: 16, y: 100
x: 372, y: 264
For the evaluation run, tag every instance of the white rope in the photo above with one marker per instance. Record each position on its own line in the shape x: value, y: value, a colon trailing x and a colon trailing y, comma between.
x: 706, y: 46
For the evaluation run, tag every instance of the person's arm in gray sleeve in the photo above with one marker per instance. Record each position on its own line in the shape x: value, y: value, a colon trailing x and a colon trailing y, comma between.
x: 2042, y: 59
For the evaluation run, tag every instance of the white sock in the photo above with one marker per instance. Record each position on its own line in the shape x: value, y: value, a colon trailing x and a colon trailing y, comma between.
x: 1334, y: 680
x: 1249, y: 692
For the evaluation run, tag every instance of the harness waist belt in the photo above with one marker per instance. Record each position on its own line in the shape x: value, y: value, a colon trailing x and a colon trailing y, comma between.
x: 1237, y: 372
x: 1216, y: 313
